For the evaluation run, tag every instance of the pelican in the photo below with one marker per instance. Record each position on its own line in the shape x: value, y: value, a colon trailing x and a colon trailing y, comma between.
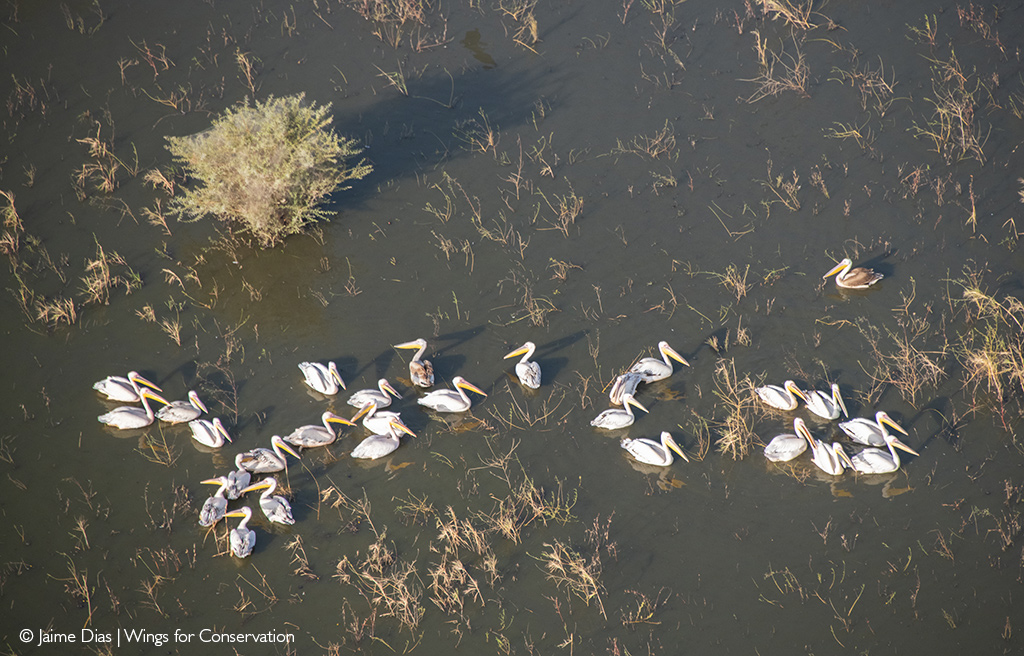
x: 242, y: 538
x: 377, y: 421
x: 130, y: 416
x: 263, y: 460
x: 380, y: 396
x: 527, y: 371
x: 420, y: 371
x: 215, y: 507
x: 871, y: 433
x: 378, y: 446
x: 310, y: 436
x: 624, y: 384
x: 181, y: 411
x: 877, y: 461
x: 325, y: 380
x: 652, y: 369
x: 853, y: 278
x: 650, y: 452
x: 238, y: 479
x: 825, y: 406
x: 781, y: 398
x: 830, y: 459
x: 209, y: 433
x: 276, y: 508
x: 614, y: 418
x: 119, y: 388
x: 784, y: 448
x: 451, y: 400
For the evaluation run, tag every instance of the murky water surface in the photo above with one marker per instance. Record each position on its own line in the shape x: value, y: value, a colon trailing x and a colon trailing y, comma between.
x: 705, y: 216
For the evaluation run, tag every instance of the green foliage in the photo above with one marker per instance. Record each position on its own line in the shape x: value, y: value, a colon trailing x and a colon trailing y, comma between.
x: 268, y: 167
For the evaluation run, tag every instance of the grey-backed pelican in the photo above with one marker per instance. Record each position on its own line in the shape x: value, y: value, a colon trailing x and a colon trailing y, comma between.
x: 527, y: 370
x: 275, y: 507
x: 420, y: 371
x: 853, y: 278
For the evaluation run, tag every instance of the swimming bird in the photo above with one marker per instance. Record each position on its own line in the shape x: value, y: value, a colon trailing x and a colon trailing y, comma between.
x: 454, y: 400
x: 130, y: 416
x: 825, y: 406
x: 527, y: 371
x: 276, y: 508
x: 120, y: 388
x: 242, y: 538
x: 788, y: 446
x: 214, y: 508
x: 877, y: 461
x: 239, y: 479
x: 377, y: 421
x: 326, y: 380
x: 263, y: 460
x: 179, y: 412
x: 650, y: 452
x: 786, y: 397
x: 209, y: 433
x: 312, y: 436
x: 624, y: 384
x: 871, y: 433
x: 830, y: 459
x: 378, y: 446
x: 853, y: 278
x: 380, y: 396
x: 615, y: 418
x: 652, y: 369
x: 420, y: 371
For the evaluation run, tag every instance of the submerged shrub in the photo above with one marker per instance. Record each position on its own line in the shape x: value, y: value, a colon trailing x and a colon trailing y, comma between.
x: 268, y: 167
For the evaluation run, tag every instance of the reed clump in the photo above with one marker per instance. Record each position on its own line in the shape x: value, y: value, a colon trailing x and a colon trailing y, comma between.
x: 742, y: 410
x: 267, y: 168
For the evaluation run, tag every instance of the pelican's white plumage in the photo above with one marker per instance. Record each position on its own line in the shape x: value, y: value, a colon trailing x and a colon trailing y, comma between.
x: 312, y: 436
x: 615, y: 418
x: 123, y: 389
x: 786, y: 397
x: 654, y: 453
x: 130, y: 416
x: 376, y: 420
x: 824, y: 405
x: 830, y: 459
x: 378, y: 446
x: 210, y: 433
x: 624, y: 384
x: 380, y: 396
x: 239, y: 479
x: 788, y: 446
x: 326, y: 380
x: 527, y: 370
x: 266, y: 461
x: 214, y: 508
x: 453, y: 400
x: 275, y: 507
x: 242, y: 538
x: 877, y: 461
x: 420, y: 371
x: 178, y: 412
x: 652, y: 369
x: 868, y: 432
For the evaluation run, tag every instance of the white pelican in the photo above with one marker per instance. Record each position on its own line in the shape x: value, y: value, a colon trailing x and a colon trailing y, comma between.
x: 851, y: 278
x: 624, y: 384
x: 239, y: 479
x: 786, y: 397
x: 784, y: 448
x: 652, y: 369
x: 325, y: 380
x: 310, y: 436
x: 378, y: 446
x: 263, y: 460
x: 650, y: 452
x: 451, y: 400
x: 420, y: 371
x: 830, y: 459
x: 871, y: 433
x: 377, y: 421
x: 210, y: 433
x: 179, y: 412
x: 877, y: 461
x: 614, y: 418
x: 130, y: 416
x: 276, y: 508
x: 242, y: 538
x: 119, y: 388
x: 527, y: 371
x: 825, y: 406
x: 215, y: 507
x: 381, y: 396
